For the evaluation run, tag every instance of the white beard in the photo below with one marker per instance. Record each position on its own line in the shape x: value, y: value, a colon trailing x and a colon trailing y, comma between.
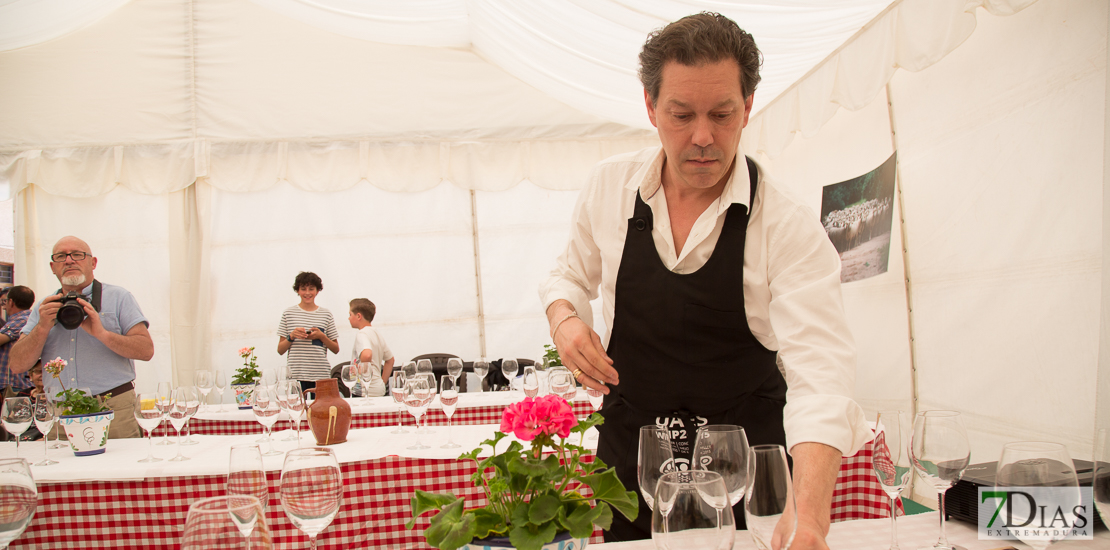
x: 73, y: 280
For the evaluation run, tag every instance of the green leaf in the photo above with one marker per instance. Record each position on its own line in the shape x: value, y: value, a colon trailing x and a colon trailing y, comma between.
x: 450, y: 529
x: 607, y: 487
x: 525, y: 536
x: 423, y: 502
x: 532, y: 467
x: 580, y: 522
x: 488, y: 523
x: 543, y: 509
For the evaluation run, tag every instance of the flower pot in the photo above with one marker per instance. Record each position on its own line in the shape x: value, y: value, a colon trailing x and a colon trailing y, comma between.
x: 243, y: 395
x: 87, y: 433
x: 563, y: 541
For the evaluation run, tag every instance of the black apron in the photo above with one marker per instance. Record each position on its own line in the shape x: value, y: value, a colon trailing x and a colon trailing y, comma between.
x: 685, y: 355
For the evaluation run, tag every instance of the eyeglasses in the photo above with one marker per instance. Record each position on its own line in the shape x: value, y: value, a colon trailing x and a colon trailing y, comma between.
x: 61, y: 256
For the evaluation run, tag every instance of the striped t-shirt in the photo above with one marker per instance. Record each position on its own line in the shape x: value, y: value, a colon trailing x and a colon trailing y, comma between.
x: 308, y: 359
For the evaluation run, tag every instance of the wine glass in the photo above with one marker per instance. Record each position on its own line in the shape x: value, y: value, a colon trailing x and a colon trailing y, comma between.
x: 424, y: 366
x: 1047, y: 467
x: 149, y: 415
x: 417, y: 394
x: 246, y: 476
x: 349, y: 375
x: 654, y: 459
x: 20, y: 498
x: 194, y: 406
x: 179, y: 415
x: 939, y: 452
x: 509, y: 368
x: 481, y: 369
x: 409, y: 369
x: 530, y: 382
x: 45, y: 415
x: 266, y: 410
x: 430, y: 379
x: 311, y: 489
x: 454, y: 368
x: 224, y: 521
x: 294, y: 404
x: 596, y: 398
x: 449, y: 398
x: 282, y: 393
x: 220, y: 382
x: 1100, y: 481
x: 769, y: 495
x: 16, y: 417
x: 561, y: 381
x: 692, y: 511
x: 723, y: 448
x: 204, y: 382
x: 891, y: 462
x: 397, y: 390
x: 164, y: 397
x: 269, y: 378
x: 59, y: 443
x: 366, y: 373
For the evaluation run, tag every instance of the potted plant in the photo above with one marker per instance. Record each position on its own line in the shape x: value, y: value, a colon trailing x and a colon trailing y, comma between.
x: 84, y: 417
x: 551, y: 356
x: 245, y: 378
x: 534, y: 500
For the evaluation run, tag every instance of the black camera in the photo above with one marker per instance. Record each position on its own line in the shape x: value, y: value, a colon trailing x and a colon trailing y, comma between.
x: 71, y: 313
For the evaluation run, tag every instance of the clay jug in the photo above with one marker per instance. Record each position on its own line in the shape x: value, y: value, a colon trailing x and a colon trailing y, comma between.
x: 329, y: 415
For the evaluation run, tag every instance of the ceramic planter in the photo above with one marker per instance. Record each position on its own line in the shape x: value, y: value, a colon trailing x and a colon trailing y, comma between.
x: 87, y: 433
x: 243, y: 394
x: 563, y: 541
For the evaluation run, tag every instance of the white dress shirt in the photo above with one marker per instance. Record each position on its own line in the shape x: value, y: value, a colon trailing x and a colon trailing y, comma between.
x: 791, y: 283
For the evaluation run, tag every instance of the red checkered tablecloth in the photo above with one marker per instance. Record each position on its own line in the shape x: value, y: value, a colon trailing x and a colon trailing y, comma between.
x: 857, y: 494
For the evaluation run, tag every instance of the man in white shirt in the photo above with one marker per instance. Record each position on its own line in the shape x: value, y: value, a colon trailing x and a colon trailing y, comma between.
x: 370, y: 354
x: 721, y: 292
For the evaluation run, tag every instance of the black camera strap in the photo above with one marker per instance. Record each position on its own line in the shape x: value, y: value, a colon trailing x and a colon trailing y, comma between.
x: 97, y: 288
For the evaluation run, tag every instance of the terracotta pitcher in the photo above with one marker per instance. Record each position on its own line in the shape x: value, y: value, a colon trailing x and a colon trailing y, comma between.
x: 329, y: 415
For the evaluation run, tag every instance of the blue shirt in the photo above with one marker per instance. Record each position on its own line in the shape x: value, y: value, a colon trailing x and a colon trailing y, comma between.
x: 91, y: 365
x: 13, y: 329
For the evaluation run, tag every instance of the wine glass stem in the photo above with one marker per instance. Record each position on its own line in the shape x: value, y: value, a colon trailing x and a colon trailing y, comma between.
x: 150, y: 443
x: 942, y: 542
x: 893, y: 524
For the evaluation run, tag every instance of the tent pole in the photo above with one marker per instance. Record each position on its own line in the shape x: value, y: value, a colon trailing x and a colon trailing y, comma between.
x: 905, y: 252
x: 478, y: 276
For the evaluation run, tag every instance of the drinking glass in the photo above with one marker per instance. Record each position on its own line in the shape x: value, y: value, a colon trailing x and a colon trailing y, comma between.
x: 246, y: 476
x: 16, y: 417
x: 1101, y: 479
x: 692, y: 511
x: 723, y: 448
x: 424, y: 366
x: 449, y: 398
x: 769, y: 495
x: 410, y: 369
x: 311, y: 489
x: 149, y: 415
x: 266, y: 409
x: 430, y: 379
x: 45, y: 415
x: 20, y: 498
x: 220, y: 383
x: 269, y: 378
x: 349, y: 375
x: 417, y: 393
x: 223, y: 522
x: 509, y: 368
x: 165, y: 400
x: 204, y: 382
x: 481, y: 369
x: 59, y: 442
x: 454, y: 368
x: 530, y: 382
x: 596, y: 398
x: 194, y: 406
x: 397, y: 390
x: 939, y: 452
x: 561, y: 381
x: 653, y: 459
x: 1047, y: 466
x: 366, y: 376
x: 294, y: 405
x: 891, y: 462
x: 179, y: 415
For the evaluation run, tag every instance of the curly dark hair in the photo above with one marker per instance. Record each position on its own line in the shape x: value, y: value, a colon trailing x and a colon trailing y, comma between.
x: 695, y: 39
x: 307, y: 278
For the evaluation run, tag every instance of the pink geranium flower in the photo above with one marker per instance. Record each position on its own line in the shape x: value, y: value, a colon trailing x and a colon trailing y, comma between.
x: 548, y: 415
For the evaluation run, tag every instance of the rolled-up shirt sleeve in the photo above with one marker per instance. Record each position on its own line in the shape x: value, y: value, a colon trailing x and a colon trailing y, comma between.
x: 816, y: 348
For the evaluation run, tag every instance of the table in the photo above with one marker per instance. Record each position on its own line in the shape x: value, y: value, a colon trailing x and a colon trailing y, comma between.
x: 913, y: 532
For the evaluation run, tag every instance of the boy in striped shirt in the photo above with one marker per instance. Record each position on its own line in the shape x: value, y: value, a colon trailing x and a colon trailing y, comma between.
x: 307, y: 331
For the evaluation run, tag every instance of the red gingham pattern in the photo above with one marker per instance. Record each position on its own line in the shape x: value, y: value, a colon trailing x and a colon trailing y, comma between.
x: 858, y: 494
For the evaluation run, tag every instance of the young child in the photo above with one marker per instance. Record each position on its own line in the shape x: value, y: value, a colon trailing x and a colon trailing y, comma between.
x: 370, y: 353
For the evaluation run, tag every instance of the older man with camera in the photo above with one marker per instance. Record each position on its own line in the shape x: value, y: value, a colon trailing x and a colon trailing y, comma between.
x: 97, y: 328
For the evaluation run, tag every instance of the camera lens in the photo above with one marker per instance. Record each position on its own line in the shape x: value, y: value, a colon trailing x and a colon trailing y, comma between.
x: 71, y: 313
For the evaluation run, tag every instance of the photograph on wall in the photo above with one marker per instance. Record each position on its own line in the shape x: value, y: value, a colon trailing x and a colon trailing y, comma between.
x: 857, y: 214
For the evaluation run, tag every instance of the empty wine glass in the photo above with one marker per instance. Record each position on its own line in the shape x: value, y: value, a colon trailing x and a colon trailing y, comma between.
x: 939, y: 452
x: 349, y: 376
x: 366, y: 372
x: 224, y: 521
x: 723, y: 448
x: 449, y: 398
x: 653, y: 459
x: 454, y: 368
x: 204, y: 382
x: 45, y: 415
x: 410, y: 369
x: 311, y: 489
x: 16, y: 417
x: 417, y: 394
x: 509, y: 368
x: 481, y: 369
x: 770, y: 494
x: 397, y: 390
x: 194, y: 406
x: 220, y: 382
x: 561, y: 382
x: 294, y: 405
x: 1048, y: 467
x: 59, y: 443
x: 269, y: 378
x: 596, y: 398
x: 149, y: 415
x: 19, y: 496
x: 179, y: 415
x: 433, y: 388
x: 692, y: 511
x: 424, y: 366
x: 891, y: 462
x: 246, y: 476
x: 530, y: 382
x: 266, y: 409
x: 165, y: 400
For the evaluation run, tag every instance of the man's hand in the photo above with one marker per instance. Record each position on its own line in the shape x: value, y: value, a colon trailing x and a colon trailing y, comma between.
x: 91, y: 324
x: 816, y: 466
x: 580, y: 348
x: 48, y: 311
x: 807, y: 536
